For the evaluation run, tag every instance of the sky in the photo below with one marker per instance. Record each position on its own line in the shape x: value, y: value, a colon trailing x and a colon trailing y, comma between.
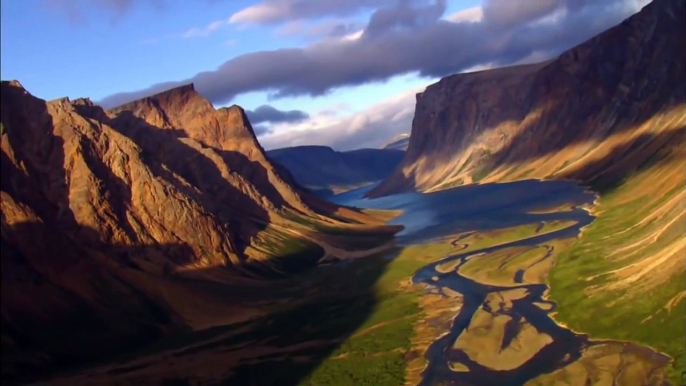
x: 340, y: 73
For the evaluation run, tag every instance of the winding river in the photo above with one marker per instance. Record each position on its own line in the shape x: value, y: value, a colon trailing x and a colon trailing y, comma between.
x: 488, y: 207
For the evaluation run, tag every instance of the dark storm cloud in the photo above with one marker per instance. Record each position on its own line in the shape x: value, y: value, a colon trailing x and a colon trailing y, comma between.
x: 402, y: 39
x: 266, y: 113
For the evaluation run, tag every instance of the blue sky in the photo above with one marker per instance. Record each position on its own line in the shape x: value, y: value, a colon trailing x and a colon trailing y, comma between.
x: 103, y: 48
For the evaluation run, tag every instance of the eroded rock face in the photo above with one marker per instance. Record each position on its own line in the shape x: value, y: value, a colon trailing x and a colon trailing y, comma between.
x: 118, y: 226
x: 596, y: 113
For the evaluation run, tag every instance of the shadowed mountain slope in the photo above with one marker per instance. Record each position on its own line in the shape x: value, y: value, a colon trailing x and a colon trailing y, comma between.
x: 121, y: 226
x: 621, y: 89
x: 327, y: 171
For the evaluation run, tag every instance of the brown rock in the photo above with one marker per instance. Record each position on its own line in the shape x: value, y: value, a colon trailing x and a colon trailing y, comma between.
x: 119, y: 226
x: 596, y: 113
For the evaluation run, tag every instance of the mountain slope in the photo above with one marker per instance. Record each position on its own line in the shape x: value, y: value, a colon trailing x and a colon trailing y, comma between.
x: 558, y: 119
x: 122, y: 226
x: 610, y: 113
x: 327, y: 171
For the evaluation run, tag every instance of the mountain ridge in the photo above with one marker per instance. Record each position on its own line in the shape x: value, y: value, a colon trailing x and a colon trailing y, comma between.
x: 124, y: 225
x: 326, y: 171
x: 486, y: 120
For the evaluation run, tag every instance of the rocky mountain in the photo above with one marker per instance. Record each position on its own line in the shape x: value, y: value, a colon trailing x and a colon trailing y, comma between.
x: 327, y: 171
x: 610, y: 114
x: 400, y: 142
x: 597, y: 111
x: 120, y: 226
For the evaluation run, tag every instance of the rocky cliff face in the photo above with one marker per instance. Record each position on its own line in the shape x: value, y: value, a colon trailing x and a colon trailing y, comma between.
x: 120, y: 225
x: 597, y: 112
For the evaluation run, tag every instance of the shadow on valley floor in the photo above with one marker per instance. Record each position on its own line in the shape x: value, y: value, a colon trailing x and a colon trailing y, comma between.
x: 71, y: 299
x: 61, y: 319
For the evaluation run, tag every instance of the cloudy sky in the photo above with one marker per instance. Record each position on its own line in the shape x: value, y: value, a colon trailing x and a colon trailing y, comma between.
x: 342, y: 73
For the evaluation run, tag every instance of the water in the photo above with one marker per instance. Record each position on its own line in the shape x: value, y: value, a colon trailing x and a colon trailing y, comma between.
x: 474, y: 207
x: 479, y: 208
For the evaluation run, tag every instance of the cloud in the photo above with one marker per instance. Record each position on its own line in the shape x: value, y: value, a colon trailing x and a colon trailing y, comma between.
x: 206, y: 31
x: 403, y: 39
x: 261, y: 130
x: 506, y: 13
x: 370, y: 128
x: 469, y: 15
x: 318, y: 30
x: 267, y: 113
x: 117, y: 8
x: 279, y: 11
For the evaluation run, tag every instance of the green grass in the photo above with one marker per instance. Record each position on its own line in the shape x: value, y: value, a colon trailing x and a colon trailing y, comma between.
x: 627, y: 314
x: 382, y: 368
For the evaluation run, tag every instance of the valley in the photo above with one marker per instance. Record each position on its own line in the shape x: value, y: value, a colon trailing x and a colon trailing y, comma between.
x: 464, y: 298
x: 528, y: 232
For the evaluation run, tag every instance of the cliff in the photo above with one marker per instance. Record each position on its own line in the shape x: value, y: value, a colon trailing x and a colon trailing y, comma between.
x: 597, y: 111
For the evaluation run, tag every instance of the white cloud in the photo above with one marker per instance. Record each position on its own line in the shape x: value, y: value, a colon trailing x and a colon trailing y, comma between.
x: 353, y: 36
x: 470, y: 15
x: 257, y: 13
x: 203, y: 32
x: 372, y: 127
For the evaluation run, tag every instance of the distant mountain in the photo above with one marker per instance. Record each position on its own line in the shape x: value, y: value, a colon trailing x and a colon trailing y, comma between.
x: 326, y: 171
x: 400, y: 142
x: 563, y: 118
x: 120, y: 226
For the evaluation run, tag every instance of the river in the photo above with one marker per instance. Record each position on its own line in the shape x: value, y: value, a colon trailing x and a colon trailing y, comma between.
x: 482, y: 208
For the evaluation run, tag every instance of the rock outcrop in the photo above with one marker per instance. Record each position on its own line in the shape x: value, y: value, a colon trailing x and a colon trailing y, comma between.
x: 597, y: 112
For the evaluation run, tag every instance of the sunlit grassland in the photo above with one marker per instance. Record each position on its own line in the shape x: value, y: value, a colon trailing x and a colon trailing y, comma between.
x: 374, y: 353
x: 601, y: 272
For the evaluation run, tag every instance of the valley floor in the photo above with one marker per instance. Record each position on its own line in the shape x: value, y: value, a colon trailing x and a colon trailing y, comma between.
x: 471, y: 307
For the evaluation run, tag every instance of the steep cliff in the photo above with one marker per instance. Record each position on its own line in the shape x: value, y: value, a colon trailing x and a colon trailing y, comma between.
x: 599, y: 110
x: 119, y: 226
x: 611, y: 114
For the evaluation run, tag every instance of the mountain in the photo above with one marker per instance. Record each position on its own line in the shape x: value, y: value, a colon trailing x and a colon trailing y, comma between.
x: 617, y: 97
x: 161, y: 215
x: 610, y: 114
x: 327, y: 171
x: 400, y: 142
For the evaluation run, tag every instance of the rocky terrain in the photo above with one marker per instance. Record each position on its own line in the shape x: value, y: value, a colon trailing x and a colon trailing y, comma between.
x: 161, y: 215
x: 597, y: 112
x: 610, y: 114
x: 326, y: 171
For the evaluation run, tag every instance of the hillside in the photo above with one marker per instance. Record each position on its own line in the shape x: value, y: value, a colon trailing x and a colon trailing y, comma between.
x: 609, y: 113
x: 327, y: 171
x: 162, y: 215
x: 617, y: 96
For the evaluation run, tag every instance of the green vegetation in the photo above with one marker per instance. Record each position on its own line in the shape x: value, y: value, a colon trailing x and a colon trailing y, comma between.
x: 588, y: 276
x: 481, y: 240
